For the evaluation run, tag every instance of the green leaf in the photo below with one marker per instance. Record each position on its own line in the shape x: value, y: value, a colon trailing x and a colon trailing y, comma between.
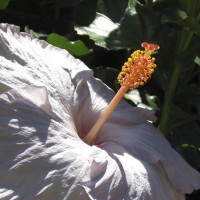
x: 4, y: 4
x: 33, y: 33
x: 191, y: 153
x: 76, y: 48
x: 197, y: 60
x: 181, y: 18
x: 135, y: 27
x: 98, y: 30
x: 186, y: 139
x: 112, y: 9
x: 136, y: 97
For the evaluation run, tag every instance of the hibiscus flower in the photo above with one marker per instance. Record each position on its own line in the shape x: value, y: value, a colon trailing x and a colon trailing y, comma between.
x: 50, y: 103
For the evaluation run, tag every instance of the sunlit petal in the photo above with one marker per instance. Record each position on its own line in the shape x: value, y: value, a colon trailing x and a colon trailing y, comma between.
x: 126, y: 177
x: 38, y: 157
x: 129, y: 128
x: 24, y: 60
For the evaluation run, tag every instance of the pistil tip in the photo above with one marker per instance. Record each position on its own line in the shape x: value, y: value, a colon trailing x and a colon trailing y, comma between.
x: 150, y: 46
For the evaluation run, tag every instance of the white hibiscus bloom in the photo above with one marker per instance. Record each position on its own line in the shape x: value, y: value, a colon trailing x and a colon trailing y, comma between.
x: 52, y: 104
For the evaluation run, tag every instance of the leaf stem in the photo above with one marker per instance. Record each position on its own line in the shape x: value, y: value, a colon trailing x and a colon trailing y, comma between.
x: 149, y: 3
x: 163, y: 126
x: 186, y: 37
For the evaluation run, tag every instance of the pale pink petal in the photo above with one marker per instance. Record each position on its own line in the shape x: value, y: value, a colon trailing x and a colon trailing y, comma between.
x: 38, y: 155
x: 24, y: 60
x: 129, y: 128
x: 123, y: 176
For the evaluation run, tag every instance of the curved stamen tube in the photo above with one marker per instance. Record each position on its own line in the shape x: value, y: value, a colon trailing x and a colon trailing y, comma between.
x: 135, y: 72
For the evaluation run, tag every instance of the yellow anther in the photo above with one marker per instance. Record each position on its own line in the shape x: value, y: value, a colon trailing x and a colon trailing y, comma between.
x: 139, y: 67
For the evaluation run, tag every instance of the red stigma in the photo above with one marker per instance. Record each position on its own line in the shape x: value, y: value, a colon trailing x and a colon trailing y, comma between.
x: 150, y: 46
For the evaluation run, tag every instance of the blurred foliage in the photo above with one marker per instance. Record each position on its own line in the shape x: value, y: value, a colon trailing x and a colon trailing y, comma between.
x: 4, y: 4
x: 103, y: 33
